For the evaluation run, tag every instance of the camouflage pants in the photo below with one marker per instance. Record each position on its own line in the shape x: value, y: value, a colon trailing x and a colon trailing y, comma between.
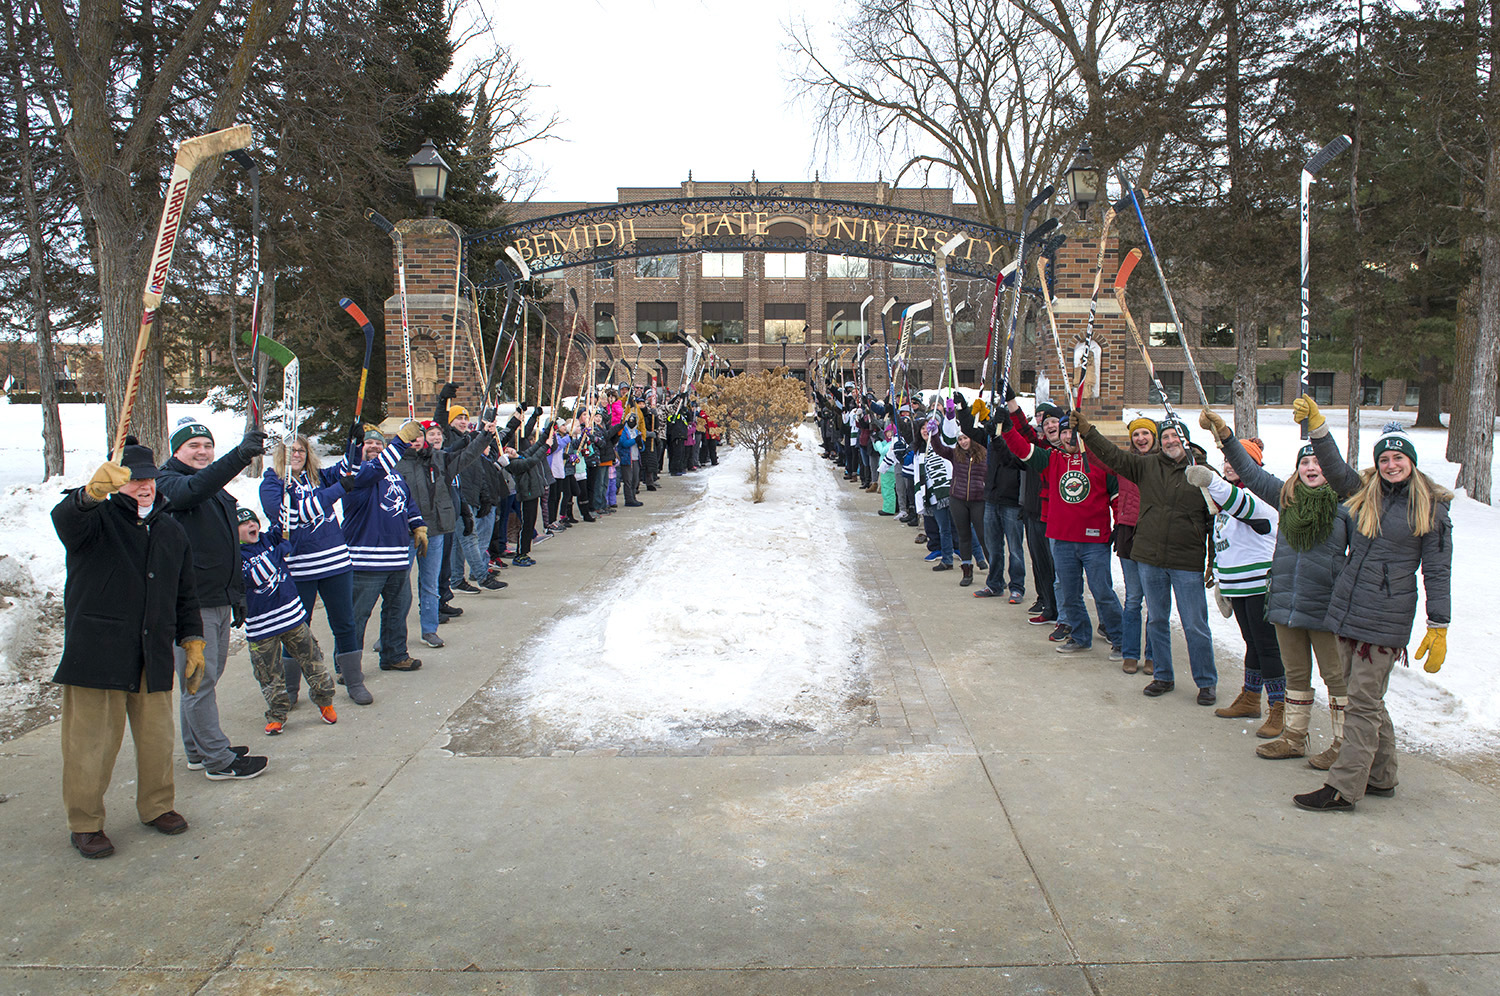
x: 265, y: 659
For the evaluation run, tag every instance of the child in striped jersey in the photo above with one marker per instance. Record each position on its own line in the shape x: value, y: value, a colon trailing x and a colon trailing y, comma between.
x: 276, y: 623
x: 1244, y: 540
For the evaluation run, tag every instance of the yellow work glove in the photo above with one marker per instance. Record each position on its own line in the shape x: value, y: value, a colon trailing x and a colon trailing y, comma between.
x: 1435, y: 648
x: 980, y: 410
x: 106, y: 480
x: 419, y: 537
x: 1209, y: 419
x: 1305, y: 409
x: 192, y: 670
x: 409, y: 432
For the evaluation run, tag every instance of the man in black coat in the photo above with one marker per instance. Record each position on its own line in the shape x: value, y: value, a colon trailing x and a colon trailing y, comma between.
x: 192, y: 482
x: 129, y: 596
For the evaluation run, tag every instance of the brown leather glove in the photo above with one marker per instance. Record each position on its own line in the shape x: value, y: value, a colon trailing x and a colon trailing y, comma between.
x: 1080, y: 423
x: 106, y: 480
x: 409, y: 432
x: 419, y: 537
x: 1209, y: 419
x: 192, y: 671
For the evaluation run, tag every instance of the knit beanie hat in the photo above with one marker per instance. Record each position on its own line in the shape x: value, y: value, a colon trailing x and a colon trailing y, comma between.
x: 244, y: 514
x: 457, y: 411
x: 1176, y: 424
x: 1394, y: 438
x: 373, y: 433
x: 138, y: 459
x: 1142, y: 422
x: 1048, y: 410
x: 1252, y: 448
x: 1306, y: 451
x: 189, y: 428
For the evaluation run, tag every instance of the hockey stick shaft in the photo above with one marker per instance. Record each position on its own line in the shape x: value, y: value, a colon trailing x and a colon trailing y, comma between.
x: 1309, y: 172
x: 1127, y: 266
x: 1088, y: 335
x: 374, y: 216
x: 1062, y: 365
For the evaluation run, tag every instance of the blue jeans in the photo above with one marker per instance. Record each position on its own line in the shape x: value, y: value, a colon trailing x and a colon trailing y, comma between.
x: 1003, y: 529
x: 1161, y: 584
x: 601, y: 489
x: 475, y: 548
x: 393, y: 589
x: 338, y: 604
x: 1072, y: 560
x: 428, y: 570
x: 945, y: 532
x: 1135, y: 594
x: 1057, y: 592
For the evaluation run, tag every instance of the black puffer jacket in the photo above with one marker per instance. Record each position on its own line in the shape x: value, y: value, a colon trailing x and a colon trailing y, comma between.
x: 199, y: 503
x: 1301, y: 582
x: 526, y: 468
x: 130, y: 594
x: 1375, y: 597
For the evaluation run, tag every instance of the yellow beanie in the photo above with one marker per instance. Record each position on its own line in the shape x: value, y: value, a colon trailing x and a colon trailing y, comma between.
x: 1142, y: 423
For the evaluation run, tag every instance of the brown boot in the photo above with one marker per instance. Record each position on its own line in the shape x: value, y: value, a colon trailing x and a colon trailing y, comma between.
x: 1275, y: 721
x: 1326, y: 759
x: 1147, y: 667
x: 1246, y: 704
x: 1293, y: 740
x: 1130, y: 665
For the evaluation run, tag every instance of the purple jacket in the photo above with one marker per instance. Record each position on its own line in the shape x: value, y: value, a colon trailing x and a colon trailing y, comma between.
x: 968, y: 475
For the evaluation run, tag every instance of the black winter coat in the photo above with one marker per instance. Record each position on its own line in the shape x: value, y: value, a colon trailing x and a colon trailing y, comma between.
x: 526, y: 468
x: 199, y: 503
x: 130, y: 594
x: 427, y: 472
x: 1002, y: 483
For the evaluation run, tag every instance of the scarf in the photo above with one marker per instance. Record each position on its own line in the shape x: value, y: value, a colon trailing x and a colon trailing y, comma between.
x: 1308, y: 519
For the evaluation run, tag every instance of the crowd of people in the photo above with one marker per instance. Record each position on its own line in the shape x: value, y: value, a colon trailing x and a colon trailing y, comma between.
x: 1320, y: 565
x: 163, y: 565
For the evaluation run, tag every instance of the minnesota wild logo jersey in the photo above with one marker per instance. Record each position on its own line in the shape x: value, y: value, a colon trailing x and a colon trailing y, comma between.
x: 1073, y: 487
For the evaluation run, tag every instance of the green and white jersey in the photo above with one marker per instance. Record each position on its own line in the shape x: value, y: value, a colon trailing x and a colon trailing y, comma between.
x: 1244, y: 540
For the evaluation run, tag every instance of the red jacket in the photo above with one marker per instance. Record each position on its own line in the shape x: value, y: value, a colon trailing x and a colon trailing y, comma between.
x: 1079, y: 490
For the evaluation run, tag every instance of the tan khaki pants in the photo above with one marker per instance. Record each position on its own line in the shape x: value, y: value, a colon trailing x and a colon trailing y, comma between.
x: 1297, y: 649
x: 93, y: 727
x: 1368, y: 756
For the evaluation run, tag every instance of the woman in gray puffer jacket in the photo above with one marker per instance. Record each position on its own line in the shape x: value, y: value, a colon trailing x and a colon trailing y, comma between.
x: 1401, y: 524
x: 1312, y: 547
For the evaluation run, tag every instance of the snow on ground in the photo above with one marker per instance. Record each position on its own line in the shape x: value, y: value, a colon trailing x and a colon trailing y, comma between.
x: 734, y: 614
x: 32, y: 564
x: 1456, y: 710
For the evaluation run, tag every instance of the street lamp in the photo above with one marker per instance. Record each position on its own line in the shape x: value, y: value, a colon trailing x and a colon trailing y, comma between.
x: 784, y: 340
x: 1083, y: 179
x: 429, y: 175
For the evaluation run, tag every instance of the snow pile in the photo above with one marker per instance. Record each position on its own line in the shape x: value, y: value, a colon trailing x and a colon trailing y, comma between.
x: 1456, y: 710
x: 737, y: 616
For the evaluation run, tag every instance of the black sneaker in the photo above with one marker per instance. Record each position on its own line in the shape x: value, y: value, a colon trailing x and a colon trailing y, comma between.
x: 1036, y: 607
x: 238, y: 753
x: 1324, y: 800
x: 444, y: 609
x: 466, y: 586
x: 250, y: 766
x: 1156, y: 688
x: 493, y: 584
x: 1061, y: 633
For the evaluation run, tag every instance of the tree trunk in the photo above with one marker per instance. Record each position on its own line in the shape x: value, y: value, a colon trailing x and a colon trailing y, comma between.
x: 41, y: 322
x: 1479, y: 439
x: 1356, y: 391
x: 1429, y: 409
x: 1247, y: 345
x: 1463, y: 360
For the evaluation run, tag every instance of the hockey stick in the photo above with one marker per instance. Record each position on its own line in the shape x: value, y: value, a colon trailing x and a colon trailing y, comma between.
x: 291, y: 397
x: 1127, y: 267
x: 389, y: 229
x: 1161, y: 276
x: 562, y: 369
x: 1309, y: 171
x: 908, y: 317
x: 366, y: 326
x: 458, y: 276
x: 1002, y: 279
x: 1002, y: 374
x: 189, y: 155
x: 1088, y: 334
x: 940, y: 263
x: 885, y: 345
x: 252, y: 382
x: 522, y: 330
x: 494, y: 377
x: 1062, y: 365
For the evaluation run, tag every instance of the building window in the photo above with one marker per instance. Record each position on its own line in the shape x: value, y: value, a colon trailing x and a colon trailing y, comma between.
x: 1413, y: 392
x: 786, y: 265
x: 1219, y: 390
x: 850, y: 327
x: 1172, y: 381
x: 724, y: 321
x: 968, y: 375
x: 1320, y: 386
x: 1164, y: 334
x: 657, y: 266
x: 604, y: 320
x: 1268, y: 392
x: 1028, y: 380
x: 1218, y: 335
x: 910, y: 271
x: 848, y: 268
x: 1374, y: 391
x: 605, y: 270
x: 784, y: 320
x: 657, y: 317
x: 724, y: 264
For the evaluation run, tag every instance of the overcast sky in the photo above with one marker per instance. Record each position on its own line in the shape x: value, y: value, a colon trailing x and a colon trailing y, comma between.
x: 650, y: 89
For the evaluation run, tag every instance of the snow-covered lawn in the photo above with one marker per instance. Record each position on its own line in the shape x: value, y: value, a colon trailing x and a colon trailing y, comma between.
x: 1456, y: 710
x: 732, y: 614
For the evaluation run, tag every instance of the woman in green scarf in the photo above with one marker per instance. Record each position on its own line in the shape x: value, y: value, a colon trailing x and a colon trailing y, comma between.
x: 1312, y: 546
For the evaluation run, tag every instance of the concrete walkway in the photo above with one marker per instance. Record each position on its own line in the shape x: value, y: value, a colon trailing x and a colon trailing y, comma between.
x: 1009, y: 820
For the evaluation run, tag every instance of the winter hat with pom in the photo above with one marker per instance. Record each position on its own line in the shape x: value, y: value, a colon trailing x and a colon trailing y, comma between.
x: 189, y: 428
x: 1393, y: 437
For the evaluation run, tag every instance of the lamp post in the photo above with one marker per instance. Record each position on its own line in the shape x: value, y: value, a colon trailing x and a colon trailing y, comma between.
x: 1083, y: 179
x: 784, y: 340
x: 429, y: 175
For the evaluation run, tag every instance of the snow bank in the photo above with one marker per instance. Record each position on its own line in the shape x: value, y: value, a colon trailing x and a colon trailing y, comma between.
x: 1456, y: 710
x: 737, y: 615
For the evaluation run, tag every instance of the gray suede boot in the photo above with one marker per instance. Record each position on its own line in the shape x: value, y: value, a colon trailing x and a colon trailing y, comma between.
x: 352, y: 671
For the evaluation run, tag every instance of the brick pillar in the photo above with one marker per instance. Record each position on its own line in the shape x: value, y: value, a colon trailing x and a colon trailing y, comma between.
x: 433, y: 249
x: 1074, y: 286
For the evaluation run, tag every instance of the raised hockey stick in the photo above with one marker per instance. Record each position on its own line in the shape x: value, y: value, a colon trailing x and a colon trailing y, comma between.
x: 940, y: 263
x: 1045, y: 228
x: 1127, y: 267
x: 1062, y: 364
x: 1325, y: 155
x: 368, y: 328
x: 189, y: 155
x: 379, y: 220
x: 251, y: 381
x: 1088, y: 334
x: 1002, y: 374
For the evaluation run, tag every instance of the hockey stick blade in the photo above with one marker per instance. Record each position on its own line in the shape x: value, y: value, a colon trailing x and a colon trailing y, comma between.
x: 380, y: 221
x: 355, y: 312
x: 521, y: 267
x: 1127, y: 267
x: 888, y: 306
x: 1044, y: 229
x: 1326, y: 155
x: 1043, y: 196
x: 215, y: 143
